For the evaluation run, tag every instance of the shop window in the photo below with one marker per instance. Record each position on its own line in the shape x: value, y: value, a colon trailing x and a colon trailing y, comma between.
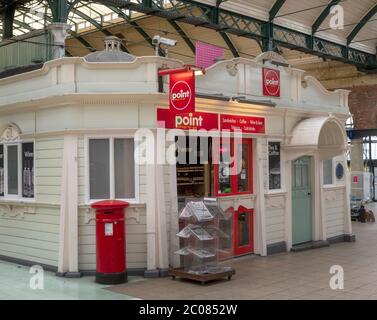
x: 17, y: 170
x: 124, y: 168
x: 274, y: 165
x: 111, y: 168
x: 328, y: 171
x: 12, y: 163
x: 244, y: 160
x: 234, y: 169
x: 224, y: 175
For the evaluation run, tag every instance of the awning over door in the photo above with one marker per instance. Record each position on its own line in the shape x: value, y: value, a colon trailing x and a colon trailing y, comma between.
x: 324, y: 134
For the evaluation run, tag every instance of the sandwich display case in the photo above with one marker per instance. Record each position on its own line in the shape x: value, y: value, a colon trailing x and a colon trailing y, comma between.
x: 205, y: 237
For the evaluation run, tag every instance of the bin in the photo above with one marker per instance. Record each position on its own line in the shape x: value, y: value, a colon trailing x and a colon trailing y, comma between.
x: 110, y: 241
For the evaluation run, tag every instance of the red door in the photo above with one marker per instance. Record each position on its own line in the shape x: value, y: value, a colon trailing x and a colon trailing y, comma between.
x: 243, y: 231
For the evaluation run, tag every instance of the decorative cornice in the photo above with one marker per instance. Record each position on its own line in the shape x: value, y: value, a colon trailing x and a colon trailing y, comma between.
x: 10, y: 133
x: 12, y: 210
x: 79, y: 99
x: 132, y: 212
x: 172, y: 63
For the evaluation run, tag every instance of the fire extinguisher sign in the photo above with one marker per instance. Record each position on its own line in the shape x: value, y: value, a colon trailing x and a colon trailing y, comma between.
x: 271, y: 82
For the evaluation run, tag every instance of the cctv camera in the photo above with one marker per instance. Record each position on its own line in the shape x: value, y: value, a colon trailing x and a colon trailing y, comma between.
x: 168, y: 42
x: 157, y: 40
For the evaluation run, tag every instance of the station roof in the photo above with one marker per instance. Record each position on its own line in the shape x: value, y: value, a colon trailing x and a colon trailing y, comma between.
x: 299, y: 30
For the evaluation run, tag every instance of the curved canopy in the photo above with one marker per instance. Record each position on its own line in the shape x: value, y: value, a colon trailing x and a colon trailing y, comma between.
x: 324, y: 134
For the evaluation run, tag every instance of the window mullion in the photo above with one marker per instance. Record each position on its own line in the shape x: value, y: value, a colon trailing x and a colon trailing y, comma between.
x: 232, y: 168
x: 20, y: 169
x: 5, y: 170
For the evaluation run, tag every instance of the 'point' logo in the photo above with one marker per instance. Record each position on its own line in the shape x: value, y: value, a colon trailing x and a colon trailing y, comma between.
x: 271, y: 85
x: 190, y: 120
x: 180, y: 95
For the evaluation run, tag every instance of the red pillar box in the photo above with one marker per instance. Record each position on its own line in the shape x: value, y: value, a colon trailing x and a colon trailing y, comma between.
x: 110, y: 241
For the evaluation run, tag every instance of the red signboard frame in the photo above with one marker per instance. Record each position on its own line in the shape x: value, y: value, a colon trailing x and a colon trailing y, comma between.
x: 182, y: 92
x: 187, y: 121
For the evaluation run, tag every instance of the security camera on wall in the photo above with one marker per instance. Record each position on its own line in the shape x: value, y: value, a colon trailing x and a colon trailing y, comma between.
x: 157, y: 41
x: 160, y: 40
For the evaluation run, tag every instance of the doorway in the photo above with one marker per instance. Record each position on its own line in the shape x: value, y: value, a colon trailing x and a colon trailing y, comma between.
x: 302, y: 220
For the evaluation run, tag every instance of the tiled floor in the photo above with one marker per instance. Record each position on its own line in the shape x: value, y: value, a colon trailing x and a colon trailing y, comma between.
x: 301, y: 275
x: 15, y: 284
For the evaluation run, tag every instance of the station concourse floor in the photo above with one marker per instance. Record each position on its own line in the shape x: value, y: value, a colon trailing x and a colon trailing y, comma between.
x: 298, y: 275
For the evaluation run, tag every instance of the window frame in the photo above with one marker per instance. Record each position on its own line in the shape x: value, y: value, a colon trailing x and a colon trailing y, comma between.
x: 282, y: 169
x: 111, y: 138
x: 333, y: 176
x: 234, y: 178
x: 18, y: 196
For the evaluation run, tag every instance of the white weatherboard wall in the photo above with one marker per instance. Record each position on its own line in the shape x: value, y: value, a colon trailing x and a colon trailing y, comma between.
x: 335, y: 209
x: 33, y: 237
x: 275, y: 218
x: 30, y: 230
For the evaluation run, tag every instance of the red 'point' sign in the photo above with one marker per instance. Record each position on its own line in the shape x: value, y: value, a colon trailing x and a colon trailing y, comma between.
x: 187, y: 121
x: 271, y: 82
x: 182, y: 92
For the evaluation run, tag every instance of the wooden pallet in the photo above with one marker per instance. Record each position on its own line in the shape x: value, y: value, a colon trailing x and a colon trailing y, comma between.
x: 202, y: 278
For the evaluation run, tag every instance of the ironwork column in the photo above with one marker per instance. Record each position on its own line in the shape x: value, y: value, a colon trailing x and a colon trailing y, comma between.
x: 59, y: 9
x: 8, y: 21
x: 59, y: 28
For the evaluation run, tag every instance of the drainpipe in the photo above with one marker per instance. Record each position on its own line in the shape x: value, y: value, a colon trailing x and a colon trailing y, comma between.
x: 59, y: 32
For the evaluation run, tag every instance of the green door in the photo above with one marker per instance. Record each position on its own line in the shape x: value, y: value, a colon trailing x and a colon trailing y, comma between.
x: 301, y: 201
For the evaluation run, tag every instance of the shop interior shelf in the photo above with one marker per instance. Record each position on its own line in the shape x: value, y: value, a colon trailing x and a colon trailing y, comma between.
x: 189, y: 183
x: 190, y: 169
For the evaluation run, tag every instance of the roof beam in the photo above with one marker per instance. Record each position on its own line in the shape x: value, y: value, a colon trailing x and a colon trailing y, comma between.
x: 324, y: 14
x: 361, y: 24
x: 78, y: 37
x: 85, y: 43
x: 97, y: 25
x: 242, y: 25
x: 230, y: 44
x: 137, y: 27
x: 275, y: 9
x: 23, y: 24
x: 183, y: 35
x: 223, y: 35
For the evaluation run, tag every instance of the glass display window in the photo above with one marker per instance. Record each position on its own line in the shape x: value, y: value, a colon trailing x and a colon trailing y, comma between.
x: 234, y: 167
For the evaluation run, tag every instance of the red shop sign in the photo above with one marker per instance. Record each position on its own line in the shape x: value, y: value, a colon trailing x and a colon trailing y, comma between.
x: 182, y: 92
x: 186, y: 121
x: 271, y: 82
x: 245, y: 124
